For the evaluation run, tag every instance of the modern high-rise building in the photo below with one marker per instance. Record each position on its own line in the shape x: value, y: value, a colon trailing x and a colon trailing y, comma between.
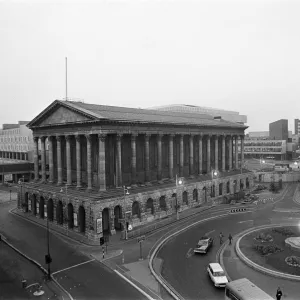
x: 297, y: 126
x: 278, y: 130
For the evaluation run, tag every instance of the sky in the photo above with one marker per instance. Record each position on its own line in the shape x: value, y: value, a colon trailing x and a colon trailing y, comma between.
x: 237, y: 55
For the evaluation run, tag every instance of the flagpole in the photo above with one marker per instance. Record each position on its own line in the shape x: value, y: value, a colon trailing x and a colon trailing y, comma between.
x: 66, y: 79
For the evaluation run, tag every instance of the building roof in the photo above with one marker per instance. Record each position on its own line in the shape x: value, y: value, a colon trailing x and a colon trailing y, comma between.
x: 96, y: 112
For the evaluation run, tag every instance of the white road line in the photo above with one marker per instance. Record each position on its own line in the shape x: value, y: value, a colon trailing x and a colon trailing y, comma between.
x: 189, y: 253
x: 73, y: 266
x: 207, y: 233
x: 245, y: 221
x: 134, y: 285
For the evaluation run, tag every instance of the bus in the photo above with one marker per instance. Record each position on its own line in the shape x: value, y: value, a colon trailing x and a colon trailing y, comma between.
x: 244, y: 289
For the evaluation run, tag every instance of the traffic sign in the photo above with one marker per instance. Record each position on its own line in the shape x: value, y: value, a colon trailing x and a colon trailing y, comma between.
x: 141, y: 238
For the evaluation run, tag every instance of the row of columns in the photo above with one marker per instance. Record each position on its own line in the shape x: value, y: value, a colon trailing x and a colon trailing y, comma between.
x: 14, y: 155
x: 101, y: 158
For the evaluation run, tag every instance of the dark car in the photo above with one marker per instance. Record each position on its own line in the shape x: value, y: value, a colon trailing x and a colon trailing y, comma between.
x: 204, y: 245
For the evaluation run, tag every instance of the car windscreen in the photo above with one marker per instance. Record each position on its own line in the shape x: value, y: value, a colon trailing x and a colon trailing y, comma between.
x: 219, y: 274
x: 202, y: 242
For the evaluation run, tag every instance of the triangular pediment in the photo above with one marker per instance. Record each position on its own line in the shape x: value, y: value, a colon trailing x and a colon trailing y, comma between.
x: 59, y: 114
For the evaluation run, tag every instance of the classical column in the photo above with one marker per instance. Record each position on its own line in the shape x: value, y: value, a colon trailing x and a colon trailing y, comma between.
x: 78, y: 160
x: 147, y: 158
x: 191, y: 156
x: 200, y: 154
x: 51, y: 166
x: 181, y: 156
x: 208, y: 154
x: 101, y: 166
x: 223, y: 153
x: 36, y: 158
x: 68, y: 156
x: 133, y: 158
x: 171, y: 156
x: 59, y: 161
x: 230, y: 152
x: 216, y: 152
x: 242, y: 150
x: 119, y: 161
x: 159, y: 157
x: 236, y: 152
x: 89, y: 160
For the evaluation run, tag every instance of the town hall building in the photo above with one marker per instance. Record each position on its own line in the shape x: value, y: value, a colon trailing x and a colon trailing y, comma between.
x: 110, y: 166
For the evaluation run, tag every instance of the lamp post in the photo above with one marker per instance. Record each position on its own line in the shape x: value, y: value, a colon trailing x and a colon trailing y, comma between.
x: 126, y: 192
x: 214, y: 173
x: 179, y: 181
x: 48, y: 256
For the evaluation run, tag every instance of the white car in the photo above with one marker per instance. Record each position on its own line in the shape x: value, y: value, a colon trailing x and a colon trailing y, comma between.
x: 217, y: 275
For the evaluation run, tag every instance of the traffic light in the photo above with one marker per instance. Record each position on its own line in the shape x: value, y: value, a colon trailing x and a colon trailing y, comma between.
x: 101, y: 241
x: 48, y: 259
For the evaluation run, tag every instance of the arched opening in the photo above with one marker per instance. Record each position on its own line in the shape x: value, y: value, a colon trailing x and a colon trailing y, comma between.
x: 136, y: 213
x: 59, y: 213
x: 228, y: 187
x: 213, y: 191
x: 220, y: 189
x: 234, y: 186
x: 50, y: 210
x: 118, y: 215
x: 150, y: 206
x: 241, y: 184
x: 42, y: 202
x: 185, y: 198
x: 195, y: 195
x: 174, y: 201
x: 81, y: 218
x: 70, y: 216
x: 26, y: 202
x: 105, y: 221
x: 34, y: 206
x: 204, y: 191
x: 162, y: 203
x: 247, y: 183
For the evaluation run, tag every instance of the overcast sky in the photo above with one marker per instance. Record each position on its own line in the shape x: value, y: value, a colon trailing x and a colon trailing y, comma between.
x: 236, y: 55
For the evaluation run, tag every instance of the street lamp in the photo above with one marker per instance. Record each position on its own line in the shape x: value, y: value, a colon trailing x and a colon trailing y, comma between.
x: 126, y: 192
x: 48, y: 258
x: 179, y: 181
x: 214, y: 173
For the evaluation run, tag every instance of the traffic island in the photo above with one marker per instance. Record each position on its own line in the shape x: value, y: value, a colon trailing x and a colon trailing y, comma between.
x: 266, y: 249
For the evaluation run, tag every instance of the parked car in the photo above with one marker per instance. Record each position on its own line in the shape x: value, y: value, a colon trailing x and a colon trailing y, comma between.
x: 204, y: 244
x: 217, y: 274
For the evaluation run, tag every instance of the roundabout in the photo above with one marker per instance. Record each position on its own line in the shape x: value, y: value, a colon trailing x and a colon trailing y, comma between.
x: 268, y: 249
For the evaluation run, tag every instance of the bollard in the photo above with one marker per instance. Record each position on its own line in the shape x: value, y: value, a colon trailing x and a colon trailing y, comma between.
x: 24, y: 283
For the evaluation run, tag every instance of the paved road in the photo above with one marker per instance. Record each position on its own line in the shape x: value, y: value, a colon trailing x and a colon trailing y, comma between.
x: 187, y: 273
x: 96, y: 280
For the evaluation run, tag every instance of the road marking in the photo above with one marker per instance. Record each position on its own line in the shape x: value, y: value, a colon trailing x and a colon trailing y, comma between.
x: 245, y: 221
x: 189, y: 253
x: 73, y: 266
x: 207, y: 233
x: 135, y: 286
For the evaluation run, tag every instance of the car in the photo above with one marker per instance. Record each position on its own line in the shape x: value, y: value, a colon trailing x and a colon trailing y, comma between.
x: 217, y: 275
x: 204, y: 244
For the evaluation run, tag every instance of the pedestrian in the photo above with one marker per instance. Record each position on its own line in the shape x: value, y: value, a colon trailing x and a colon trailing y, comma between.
x: 278, y: 294
x: 221, y: 238
x: 230, y: 238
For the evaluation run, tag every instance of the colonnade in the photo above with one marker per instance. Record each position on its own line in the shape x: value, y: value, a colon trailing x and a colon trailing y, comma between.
x: 225, y: 140
x: 14, y: 155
